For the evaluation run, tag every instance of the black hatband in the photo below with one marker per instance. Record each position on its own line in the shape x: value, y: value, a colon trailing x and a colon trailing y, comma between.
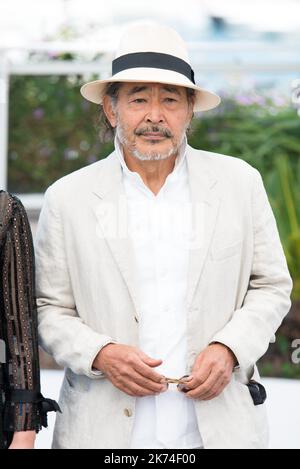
x: 152, y: 60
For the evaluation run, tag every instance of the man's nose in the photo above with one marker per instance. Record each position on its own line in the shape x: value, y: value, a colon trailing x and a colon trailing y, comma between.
x: 155, y: 114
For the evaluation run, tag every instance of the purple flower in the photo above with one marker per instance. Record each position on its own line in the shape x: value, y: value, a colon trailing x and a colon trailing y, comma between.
x: 279, y: 101
x: 38, y: 113
x: 260, y: 100
x: 53, y: 55
x: 45, y: 152
x: 244, y: 100
x: 92, y: 159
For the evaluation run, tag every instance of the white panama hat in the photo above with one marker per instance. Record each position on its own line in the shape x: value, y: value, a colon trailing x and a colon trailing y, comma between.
x: 153, y: 53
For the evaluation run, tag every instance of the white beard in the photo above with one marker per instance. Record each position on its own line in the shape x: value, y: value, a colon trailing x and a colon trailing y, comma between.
x: 151, y: 155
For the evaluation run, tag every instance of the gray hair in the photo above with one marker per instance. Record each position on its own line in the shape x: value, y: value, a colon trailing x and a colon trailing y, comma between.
x: 105, y: 130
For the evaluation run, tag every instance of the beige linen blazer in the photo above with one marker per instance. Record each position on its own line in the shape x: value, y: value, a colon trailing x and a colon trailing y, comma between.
x: 238, y: 294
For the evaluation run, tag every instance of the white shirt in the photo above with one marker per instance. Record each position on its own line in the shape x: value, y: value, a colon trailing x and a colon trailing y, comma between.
x: 160, y: 228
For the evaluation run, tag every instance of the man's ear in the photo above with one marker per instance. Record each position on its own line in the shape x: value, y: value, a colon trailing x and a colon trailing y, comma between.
x: 193, y: 104
x: 191, y: 109
x: 109, y: 111
x: 191, y: 116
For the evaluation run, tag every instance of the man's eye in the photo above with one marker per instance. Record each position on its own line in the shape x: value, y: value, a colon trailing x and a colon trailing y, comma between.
x: 170, y: 99
x: 138, y: 100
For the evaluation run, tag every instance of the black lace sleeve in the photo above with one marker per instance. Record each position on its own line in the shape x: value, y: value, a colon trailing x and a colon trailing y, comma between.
x: 23, y: 406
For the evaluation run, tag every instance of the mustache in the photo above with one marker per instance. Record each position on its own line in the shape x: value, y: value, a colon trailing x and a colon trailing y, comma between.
x: 158, y: 129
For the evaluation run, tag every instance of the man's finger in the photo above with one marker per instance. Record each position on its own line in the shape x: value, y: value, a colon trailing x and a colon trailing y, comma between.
x: 147, y: 384
x: 139, y: 390
x: 147, y: 371
x: 206, y: 387
x: 149, y: 360
x: 199, y: 376
x: 131, y: 388
x: 214, y: 392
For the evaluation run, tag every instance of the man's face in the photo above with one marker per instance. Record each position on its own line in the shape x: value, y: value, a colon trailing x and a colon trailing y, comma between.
x: 151, y: 119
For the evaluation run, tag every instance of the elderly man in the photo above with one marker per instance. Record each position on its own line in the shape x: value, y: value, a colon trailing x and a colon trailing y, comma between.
x: 160, y: 273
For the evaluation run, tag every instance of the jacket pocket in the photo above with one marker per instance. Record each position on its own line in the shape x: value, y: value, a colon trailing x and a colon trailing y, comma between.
x: 254, y: 389
x: 257, y: 413
x: 76, y: 383
x: 222, y: 253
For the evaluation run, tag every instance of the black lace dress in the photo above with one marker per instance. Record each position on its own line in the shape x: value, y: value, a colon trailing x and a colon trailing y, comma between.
x: 22, y: 406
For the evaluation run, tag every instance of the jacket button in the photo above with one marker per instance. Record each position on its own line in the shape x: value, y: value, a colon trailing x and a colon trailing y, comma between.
x: 128, y: 412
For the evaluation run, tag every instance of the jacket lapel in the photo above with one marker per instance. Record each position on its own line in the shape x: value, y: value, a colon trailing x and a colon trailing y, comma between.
x: 205, y: 206
x: 111, y: 213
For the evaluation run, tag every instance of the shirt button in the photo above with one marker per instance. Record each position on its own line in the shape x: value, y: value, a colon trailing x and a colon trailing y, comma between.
x: 128, y: 412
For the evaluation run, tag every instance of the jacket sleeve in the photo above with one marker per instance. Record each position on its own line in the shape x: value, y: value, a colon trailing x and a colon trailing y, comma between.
x: 267, y: 300
x: 62, y: 333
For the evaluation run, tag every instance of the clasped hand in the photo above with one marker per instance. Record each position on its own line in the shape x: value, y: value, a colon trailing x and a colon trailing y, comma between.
x: 132, y: 371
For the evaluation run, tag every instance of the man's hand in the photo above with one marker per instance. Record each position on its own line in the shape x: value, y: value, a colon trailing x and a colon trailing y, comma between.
x: 211, y: 372
x: 130, y: 370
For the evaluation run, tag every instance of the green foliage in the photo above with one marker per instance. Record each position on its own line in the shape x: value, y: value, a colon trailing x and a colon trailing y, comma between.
x: 54, y: 131
x: 287, y: 212
x: 267, y: 137
x: 283, y: 370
